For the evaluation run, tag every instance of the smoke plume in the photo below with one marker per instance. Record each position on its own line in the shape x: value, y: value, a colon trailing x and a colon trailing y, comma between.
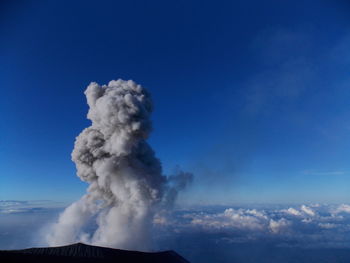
x: 126, y: 184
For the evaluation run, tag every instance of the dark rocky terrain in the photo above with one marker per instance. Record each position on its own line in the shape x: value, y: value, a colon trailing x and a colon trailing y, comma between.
x: 85, y: 253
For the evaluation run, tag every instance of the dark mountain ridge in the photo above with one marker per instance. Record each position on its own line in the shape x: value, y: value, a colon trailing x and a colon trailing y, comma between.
x: 85, y: 253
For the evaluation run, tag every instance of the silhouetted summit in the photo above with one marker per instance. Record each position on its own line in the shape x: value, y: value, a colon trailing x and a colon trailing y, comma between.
x: 85, y: 253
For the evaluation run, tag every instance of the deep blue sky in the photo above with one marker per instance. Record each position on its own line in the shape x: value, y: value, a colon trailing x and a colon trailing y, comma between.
x: 251, y: 96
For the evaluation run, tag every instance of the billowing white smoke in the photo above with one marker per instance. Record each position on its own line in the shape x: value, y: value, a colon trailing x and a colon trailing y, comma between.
x: 127, y: 187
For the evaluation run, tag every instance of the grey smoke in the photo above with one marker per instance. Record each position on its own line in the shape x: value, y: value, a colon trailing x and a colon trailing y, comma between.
x: 127, y: 187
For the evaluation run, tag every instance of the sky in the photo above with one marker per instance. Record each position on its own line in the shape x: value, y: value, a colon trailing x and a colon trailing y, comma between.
x: 250, y: 96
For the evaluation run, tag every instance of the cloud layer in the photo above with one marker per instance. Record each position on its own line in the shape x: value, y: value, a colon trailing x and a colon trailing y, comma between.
x: 293, y: 226
x: 18, y: 206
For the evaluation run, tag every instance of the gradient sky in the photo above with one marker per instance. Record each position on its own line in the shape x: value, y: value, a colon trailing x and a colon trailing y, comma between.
x: 253, y: 97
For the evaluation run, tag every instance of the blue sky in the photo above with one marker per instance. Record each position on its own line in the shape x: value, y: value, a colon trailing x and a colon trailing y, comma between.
x: 251, y: 96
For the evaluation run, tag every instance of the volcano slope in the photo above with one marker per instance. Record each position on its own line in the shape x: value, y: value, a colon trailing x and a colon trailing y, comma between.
x: 85, y: 253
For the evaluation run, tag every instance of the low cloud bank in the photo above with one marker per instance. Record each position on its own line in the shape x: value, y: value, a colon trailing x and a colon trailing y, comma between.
x: 18, y: 206
x: 304, y: 226
x: 296, y: 226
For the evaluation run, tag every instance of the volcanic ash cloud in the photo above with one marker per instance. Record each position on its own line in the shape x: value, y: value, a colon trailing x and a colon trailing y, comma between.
x: 127, y: 187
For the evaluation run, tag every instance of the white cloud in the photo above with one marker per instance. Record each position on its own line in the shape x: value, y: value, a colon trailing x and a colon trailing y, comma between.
x: 269, y: 220
x: 15, y: 206
x: 306, y: 225
x: 280, y: 225
x: 244, y: 219
x: 292, y: 211
x: 343, y: 208
x: 256, y: 213
x: 307, y: 210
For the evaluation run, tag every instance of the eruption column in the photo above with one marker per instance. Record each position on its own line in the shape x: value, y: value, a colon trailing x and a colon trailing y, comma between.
x: 127, y: 187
